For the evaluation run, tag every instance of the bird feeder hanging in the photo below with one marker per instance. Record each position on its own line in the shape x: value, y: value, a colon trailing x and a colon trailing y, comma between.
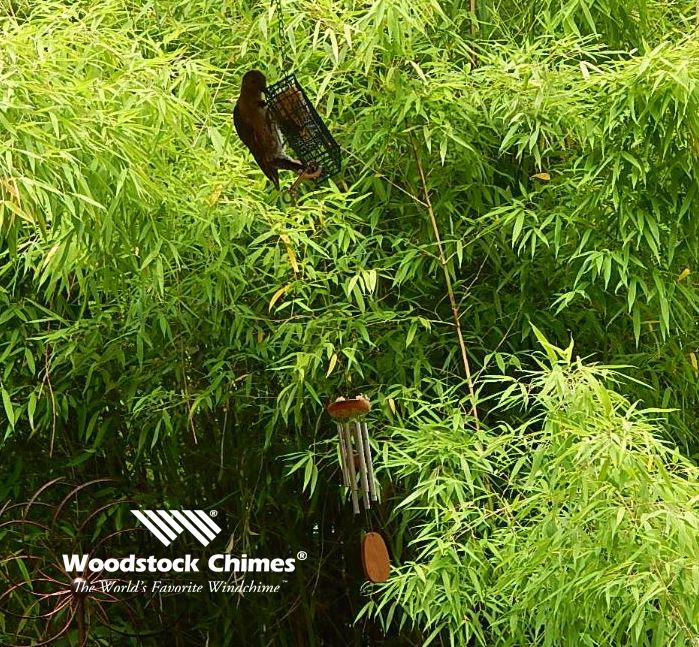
x: 301, y: 125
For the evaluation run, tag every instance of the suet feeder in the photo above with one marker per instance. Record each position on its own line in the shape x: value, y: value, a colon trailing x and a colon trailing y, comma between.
x: 355, y: 450
x: 302, y: 127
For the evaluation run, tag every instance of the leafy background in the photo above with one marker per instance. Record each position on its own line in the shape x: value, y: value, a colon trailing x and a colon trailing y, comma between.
x: 165, y: 320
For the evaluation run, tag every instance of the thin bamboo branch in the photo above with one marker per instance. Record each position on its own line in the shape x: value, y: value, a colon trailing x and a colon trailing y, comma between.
x: 450, y: 289
x: 47, y: 380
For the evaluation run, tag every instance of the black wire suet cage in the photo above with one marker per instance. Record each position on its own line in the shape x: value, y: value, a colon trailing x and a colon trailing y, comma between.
x: 302, y: 127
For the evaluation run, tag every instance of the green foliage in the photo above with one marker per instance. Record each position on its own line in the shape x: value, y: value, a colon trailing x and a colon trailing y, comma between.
x: 166, y: 320
x: 576, y: 527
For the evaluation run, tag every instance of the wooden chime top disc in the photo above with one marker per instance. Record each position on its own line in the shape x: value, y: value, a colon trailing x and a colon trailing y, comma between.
x: 375, y: 560
x: 344, y: 409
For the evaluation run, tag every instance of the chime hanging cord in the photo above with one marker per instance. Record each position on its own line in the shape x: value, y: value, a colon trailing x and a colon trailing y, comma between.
x: 367, y: 518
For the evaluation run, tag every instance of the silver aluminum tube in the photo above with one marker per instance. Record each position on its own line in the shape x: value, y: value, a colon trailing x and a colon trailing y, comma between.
x: 369, y: 463
x: 359, y: 441
x: 350, y: 463
x: 344, y: 454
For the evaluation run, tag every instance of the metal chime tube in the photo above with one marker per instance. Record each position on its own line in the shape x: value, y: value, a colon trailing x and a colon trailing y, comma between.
x: 350, y: 463
x: 344, y: 456
x: 359, y: 442
x: 369, y: 463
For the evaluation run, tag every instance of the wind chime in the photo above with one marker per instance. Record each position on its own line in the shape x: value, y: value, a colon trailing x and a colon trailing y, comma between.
x: 358, y: 476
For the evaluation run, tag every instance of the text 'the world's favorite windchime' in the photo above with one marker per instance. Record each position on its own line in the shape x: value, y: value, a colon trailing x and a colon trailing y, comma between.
x: 358, y: 476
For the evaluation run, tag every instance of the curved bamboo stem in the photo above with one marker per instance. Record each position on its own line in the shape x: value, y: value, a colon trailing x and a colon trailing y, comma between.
x: 450, y: 288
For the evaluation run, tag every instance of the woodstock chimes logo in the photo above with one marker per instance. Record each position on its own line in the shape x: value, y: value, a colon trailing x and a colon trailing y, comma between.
x: 167, y: 525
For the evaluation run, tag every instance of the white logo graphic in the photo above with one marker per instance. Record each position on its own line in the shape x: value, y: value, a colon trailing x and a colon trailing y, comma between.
x: 166, y: 525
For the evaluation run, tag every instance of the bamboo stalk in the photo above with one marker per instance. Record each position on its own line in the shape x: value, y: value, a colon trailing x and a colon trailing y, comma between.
x: 450, y: 289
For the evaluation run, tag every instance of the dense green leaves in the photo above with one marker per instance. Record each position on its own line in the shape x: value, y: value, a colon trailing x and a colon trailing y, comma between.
x: 165, y: 319
x: 579, y: 526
